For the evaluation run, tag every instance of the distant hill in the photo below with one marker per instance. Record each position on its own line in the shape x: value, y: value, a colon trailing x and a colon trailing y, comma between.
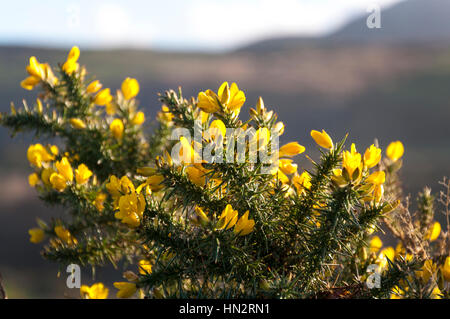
x: 411, y: 22
x: 279, y: 44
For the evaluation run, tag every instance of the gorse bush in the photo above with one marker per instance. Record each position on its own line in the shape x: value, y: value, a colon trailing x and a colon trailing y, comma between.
x: 224, y: 213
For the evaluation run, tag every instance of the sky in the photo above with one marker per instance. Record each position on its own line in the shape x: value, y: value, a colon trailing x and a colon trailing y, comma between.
x: 207, y: 25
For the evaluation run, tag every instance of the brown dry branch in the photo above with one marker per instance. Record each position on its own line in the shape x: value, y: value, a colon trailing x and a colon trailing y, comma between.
x: 444, y: 200
x: 401, y: 225
x: 2, y: 290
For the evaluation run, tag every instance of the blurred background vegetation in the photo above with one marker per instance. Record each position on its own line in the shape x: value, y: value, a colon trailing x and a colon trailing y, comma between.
x: 391, y: 84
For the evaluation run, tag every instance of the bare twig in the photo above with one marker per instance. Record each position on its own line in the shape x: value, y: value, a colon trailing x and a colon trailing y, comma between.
x: 2, y: 290
x: 444, y: 200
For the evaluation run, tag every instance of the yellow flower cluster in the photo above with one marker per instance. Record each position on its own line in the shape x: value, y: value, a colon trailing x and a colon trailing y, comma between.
x: 126, y: 289
x: 96, y: 291
x: 228, y: 99
x: 71, y: 63
x: 57, y: 176
x: 38, y: 72
x: 129, y: 202
x: 65, y: 235
x: 355, y: 169
x: 228, y: 218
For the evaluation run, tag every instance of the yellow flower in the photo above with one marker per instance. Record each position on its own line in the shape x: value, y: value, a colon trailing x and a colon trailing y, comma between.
x: 103, y: 97
x: 155, y: 182
x: 48, y: 74
x: 376, y: 178
x: 71, y: 64
x: 291, y: 149
x: 322, y: 139
x: 244, y: 226
x: 94, y: 86
x: 64, y: 169
x: 337, y: 172
x: 385, y: 254
x: 116, y: 127
x: 146, y: 171
x: 96, y: 291
x: 201, y: 215
x: 372, y: 156
x: 395, y: 150
x: 228, y: 218
x: 166, y: 116
x: 434, y: 232
x: 302, y: 181
x: 217, y: 128
x: 113, y: 186
x: 37, y: 154
x: 39, y: 106
x: 351, y: 162
x: 203, y: 116
x: 118, y: 187
x: 65, y: 235
x: 99, y: 201
x: 110, y: 108
x: 138, y: 119
x: 378, y: 193
x: 396, y: 293
x: 130, y: 88
x: 33, y: 179
x: 30, y: 82
x: 35, y: 68
x: 45, y: 175
x: 446, y: 269
x: 229, y: 98
x: 187, y: 153
x: 436, y: 293
x: 208, y: 102
x: 36, y: 235
x: 280, y: 176
x: 399, y: 249
x: 58, y: 182
x: 37, y: 73
x: 126, y: 289
x: 375, y: 244
x: 77, y: 123
x: 74, y: 54
x: 196, y: 175
x: 54, y: 149
x: 145, y: 267
x: 131, y: 209
x: 287, y: 167
x: 428, y: 269
x: 82, y: 174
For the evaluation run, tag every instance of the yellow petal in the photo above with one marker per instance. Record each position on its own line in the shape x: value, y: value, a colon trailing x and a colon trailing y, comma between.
x: 322, y: 139
x: 130, y: 88
x: 291, y: 149
x: 395, y: 150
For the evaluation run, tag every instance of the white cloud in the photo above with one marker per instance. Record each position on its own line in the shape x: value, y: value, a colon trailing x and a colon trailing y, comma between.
x: 205, y: 24
x: 226, y: 24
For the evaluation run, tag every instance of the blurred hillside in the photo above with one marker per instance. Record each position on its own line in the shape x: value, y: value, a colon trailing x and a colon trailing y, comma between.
x: 394, y: 87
